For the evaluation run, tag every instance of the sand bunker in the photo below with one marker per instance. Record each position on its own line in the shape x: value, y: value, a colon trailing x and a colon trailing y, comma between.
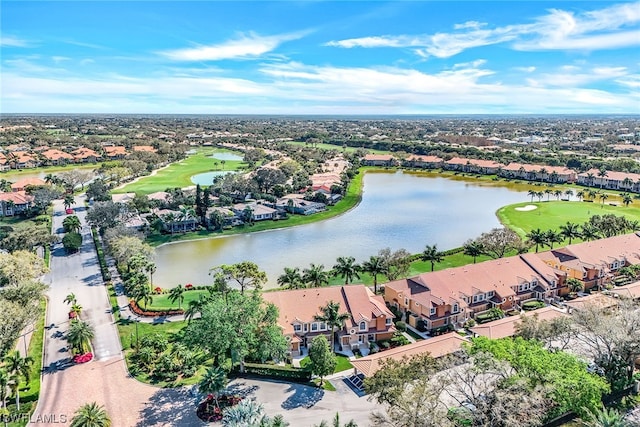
x: 527, y: 208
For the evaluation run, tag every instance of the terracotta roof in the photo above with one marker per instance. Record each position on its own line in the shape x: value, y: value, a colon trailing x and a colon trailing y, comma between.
x: 560, y: 170
x: 145, y: 148
x: 115, y: 150
x: 303, y: 304
x: 18, y: 185
x: 604, y: 251
x: 436, y: 347
x: 17, y: 197
x: 612, y: 175
x: 379, y: 157
x: 631, y: 290
x: 599, y: 300
x: 506, y: 327
x: 84, y: 152
x: 475, y: 162
x: 425, y: 159
x: 53, y: 154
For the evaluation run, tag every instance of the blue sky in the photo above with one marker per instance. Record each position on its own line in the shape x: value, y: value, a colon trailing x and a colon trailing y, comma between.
x: 316, y: 57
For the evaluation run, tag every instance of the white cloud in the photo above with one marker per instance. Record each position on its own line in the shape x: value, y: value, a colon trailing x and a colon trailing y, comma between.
x: 11, y: 41
x: 529, y: 69
x: 632, y: 81
x: 571, y: 76
x: 249, y: 46
x: 557, y: 30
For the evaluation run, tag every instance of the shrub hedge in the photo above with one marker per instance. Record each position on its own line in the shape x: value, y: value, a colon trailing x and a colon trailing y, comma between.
x: 277, y: 372
x: 104, y: 269
x: 150, y: 312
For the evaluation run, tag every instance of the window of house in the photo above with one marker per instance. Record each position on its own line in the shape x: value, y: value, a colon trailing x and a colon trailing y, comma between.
x: 297, y: 327
x: 363, y: 326
x: 491, y: 293
x: 455, y: 308
x: 406, y: 301
x: 432, y: 311
x: 323, y: 326
x: 305, y: 327
x: 314, y: 326
x: 388, y: 321
x: 475, y: 298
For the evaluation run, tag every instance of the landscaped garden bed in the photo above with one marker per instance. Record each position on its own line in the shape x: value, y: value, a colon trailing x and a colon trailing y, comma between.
x: 210, y: 409
x: 149, y: 312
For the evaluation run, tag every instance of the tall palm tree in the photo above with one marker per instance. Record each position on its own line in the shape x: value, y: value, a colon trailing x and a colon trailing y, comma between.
x: 70, y: 299
x: 432, y: 255
x: 177, y: 294
x: 375, y: 266
x: 142, y: 292
x: 540, y: 195
x: 557, y: 193
x: 548, y: 192
x: 627, y: 183
x: 79, y: 335
x: 602, y: 173
x: 590, y: 178
x: 592, y: 194
x: 474, y: 249
x: 570, y: 231
x: 333, y: 318
x: 213, y: 381
x: 603, y: 197
x: 5, y: 384
x: 195, y: 307
x: 532, y: 193
x: 315, y: 276
x: 627, y: 199
x: 580, y: 195
x: 552, y: 237
x: 291, y: 279
x: 91, y: 415
x: 18, y: 368
x: 68, y: 201
x: 537, y: 237
x: 346, y: 268
x: 568, y: 193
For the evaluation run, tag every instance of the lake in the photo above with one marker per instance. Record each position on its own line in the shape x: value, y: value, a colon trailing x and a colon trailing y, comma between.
x: 227, y: 156
x: 398, y: 210
x: 206, y: 178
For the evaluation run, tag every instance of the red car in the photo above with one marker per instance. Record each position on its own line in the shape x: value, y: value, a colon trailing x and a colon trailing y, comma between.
x: 69, y: 211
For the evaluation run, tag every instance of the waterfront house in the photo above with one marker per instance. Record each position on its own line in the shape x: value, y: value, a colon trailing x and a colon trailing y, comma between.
x: 611, y: 180
x: 56, y: 157
x: 479, y: 166
x: 369, y: 318
x: 15, y: 202
x: 553, y: 174
x: 379, y: 160
x: 21, y: 160
x: 420, y: 161
x: 176, y: 221
x: 259, y: 211
x: 85, y: 155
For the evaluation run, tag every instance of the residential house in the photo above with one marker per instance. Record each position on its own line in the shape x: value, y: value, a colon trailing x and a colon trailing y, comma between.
x: 595, y: 263
x: 436, y: 347
x: 485, y: 167
x: 176, y: 221
x: 21, y: 160
x: 611, y: 180
x: 4, y: 163
x: 506, y: 327
x: 379, y: 160
x: 56, y: 157
x: 295, y: 203
x: 445, y: 298
x: 26, y: 182
x: 144, y: 148
x: 259, y: 211
x: 554, y: 174
x: 15, y: 203
x: 228, y: 216
x: 632, y: 291
x: 85, y: 155
x: 427, y: 162
x: 369, y: 318
x: 115, y: 152
x: 599, y: 300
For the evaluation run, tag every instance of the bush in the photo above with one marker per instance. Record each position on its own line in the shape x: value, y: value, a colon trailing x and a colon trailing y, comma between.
x: 106, y: 276
x: 72, y: 242
x: 150, y: 312
x: 532, y: 305
x: 421, y: 325
x: 399, y: 339
x: 401, y: 326
x: 278, y: 372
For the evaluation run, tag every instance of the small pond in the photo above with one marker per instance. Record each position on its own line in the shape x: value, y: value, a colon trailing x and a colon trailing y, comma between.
x: 207, y: 177
x: 227, y: 156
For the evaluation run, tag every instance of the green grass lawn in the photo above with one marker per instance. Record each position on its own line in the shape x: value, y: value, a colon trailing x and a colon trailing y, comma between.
x: 161, y: 302
x: 30, y: 392
x: 342, y: 363
x: 179, y: 174
x: 553, y: 214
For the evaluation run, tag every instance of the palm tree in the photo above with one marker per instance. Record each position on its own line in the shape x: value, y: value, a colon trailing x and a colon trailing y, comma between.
x: 375, y: 266
x: 195, y: 307
x: 5, y: 383
x: 627, y: 183
x: 70, y: 299
x: 79, y: 335
x: 72, y: 224
x: 602, y: 173
x: 557, y: 193
x: 540, y: 195
x: 315, y: 276
x: 91, y: 415
x: 580, y: 195
x: 432, y: 255
x: 590, y: 178
x: 589, y: 232
x: 568, y: 193
x: 18, y: 368
x: 532, y: 193
x: 77, y: 309
x: 552, y: 237
x: 574, y: 285
x: 68, y: 201
x: 626, y: 199
x: 592, y: 194
x: 603, y: 197
x: 347, y: 269
x: 291, y: 279
x: 142, y: 292
x: 49, y: 178
x: 570, y: 231
x: 333, y: 318
x: 548, y: 192
x: 473, y: 249
x: 213, y: 381
x: 537, y: 237
x: 177, y: 294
